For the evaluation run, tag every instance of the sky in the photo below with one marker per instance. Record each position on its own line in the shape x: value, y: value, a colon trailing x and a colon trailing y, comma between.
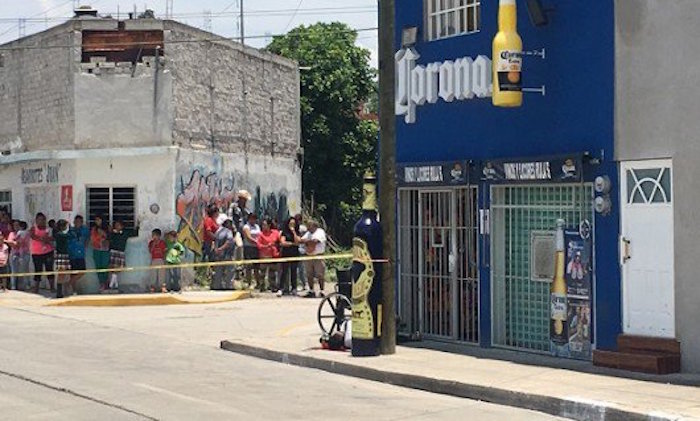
x: 263, y: 17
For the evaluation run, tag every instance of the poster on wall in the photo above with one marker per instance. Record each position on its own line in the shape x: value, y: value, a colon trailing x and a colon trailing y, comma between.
x: 579, y: 275
x: 67, y: 198
x: 579, y: 328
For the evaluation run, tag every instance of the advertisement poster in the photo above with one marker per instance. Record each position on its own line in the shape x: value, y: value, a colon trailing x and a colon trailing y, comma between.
x: 579, y: 275
x: 579, y: 328
x: 67, y: 198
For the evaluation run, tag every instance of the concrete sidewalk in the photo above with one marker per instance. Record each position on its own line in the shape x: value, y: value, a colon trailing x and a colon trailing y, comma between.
x: 24, y: 299
x: 557, y: 391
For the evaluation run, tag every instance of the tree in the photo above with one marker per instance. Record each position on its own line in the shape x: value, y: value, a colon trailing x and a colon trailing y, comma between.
x: 339, y: 146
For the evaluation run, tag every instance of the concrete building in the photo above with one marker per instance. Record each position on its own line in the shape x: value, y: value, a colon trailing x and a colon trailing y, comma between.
x: 146, y: 121
x: 482, y: 188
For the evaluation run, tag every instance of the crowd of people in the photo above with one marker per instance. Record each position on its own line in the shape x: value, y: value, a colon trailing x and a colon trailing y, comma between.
x: 236, y: 235
x: 229, y: 235
x: 56, y: 247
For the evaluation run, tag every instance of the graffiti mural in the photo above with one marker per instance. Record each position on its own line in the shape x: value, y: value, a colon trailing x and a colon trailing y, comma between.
x: 199, y: 191
x: 272, y: 205
x: 192, y: 201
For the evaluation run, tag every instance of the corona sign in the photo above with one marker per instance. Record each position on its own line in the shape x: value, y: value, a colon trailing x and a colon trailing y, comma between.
x: 461, y: 79
x: 507, y: 58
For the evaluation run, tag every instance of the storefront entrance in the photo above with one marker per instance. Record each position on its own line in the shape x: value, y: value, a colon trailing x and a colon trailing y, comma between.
x: 439, y: 286
x: 647, y: 248
x: 523, y: 226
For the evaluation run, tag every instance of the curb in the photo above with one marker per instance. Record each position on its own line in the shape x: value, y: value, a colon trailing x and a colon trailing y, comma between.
x: 142, y: 300
x: 581, y: 410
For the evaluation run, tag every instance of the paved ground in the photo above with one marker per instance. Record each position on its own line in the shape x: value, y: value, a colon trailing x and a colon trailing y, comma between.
x: 164, y: 363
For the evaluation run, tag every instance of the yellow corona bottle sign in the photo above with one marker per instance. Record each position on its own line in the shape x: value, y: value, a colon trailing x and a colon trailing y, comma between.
x: 507, y: 58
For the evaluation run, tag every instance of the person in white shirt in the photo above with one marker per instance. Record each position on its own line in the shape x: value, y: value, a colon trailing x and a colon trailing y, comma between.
x: 315, y: 245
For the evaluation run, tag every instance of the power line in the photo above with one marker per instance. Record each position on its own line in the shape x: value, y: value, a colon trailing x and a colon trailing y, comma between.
x: 184, y: 41
x: 260, y: 12
x: 294, y: 15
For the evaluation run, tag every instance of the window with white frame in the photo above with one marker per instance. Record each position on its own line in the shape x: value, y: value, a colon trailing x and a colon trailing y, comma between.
x: 112, y: 204
x: 447, y: 18
x: 6, y: 201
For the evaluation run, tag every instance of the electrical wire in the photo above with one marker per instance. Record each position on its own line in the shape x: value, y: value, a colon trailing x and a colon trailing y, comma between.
x: 294, y: 15
x: 260, y: 12
x: 183, y: 41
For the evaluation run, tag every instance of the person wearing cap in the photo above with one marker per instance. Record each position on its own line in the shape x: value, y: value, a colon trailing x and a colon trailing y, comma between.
x: 238, y: 211
x: 251, y: 232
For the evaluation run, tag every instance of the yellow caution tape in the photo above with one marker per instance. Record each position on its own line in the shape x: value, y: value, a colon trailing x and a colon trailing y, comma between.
x: 195, y: 265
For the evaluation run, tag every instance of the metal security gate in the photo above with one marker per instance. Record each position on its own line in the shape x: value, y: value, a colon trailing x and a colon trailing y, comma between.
x: 439, y: 288
x: 522, y: 219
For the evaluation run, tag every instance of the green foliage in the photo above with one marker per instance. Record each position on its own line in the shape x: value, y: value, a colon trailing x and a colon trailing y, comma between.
x: 338, y: 146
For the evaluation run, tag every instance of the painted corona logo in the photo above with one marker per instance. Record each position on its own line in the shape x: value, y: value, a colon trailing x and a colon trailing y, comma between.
x: 461, y: 79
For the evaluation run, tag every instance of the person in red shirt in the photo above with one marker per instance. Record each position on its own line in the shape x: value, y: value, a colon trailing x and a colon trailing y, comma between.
x: 157, y: 248
x: 209, y: 234
x: 268, y: 248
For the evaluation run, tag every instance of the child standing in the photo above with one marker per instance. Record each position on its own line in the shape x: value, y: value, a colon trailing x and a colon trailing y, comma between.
x: 174, y: 257
x: 61, y: 260
x: 41, y: 246
x: 158, y: 248
x: 100, y: 250
x: 117, y: 252
x: 4, y: 261
x: 19, y: 254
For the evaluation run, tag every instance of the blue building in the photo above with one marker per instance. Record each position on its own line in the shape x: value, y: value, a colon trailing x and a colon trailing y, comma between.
x: 482, y: 189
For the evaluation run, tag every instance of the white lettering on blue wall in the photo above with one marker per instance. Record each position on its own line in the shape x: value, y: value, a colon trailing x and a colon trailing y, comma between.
x: 461, y: 79
x: 527, y: 171
x: 425, y: 174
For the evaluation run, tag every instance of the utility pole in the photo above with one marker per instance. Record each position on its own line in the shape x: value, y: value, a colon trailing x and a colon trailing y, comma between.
x: 387, y: 172
x: 242, y: 23
x: 168, y: 9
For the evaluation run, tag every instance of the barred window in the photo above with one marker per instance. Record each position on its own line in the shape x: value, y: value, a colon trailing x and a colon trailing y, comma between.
x: 6, y: 201
x: 448, y: 18
x: 113, y: 204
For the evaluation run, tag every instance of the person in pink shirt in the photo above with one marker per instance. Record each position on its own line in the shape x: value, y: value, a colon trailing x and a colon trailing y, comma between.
x: 41, y: 247
x: 19, y: 240
x: 268, y: 248
x: 4, y: 262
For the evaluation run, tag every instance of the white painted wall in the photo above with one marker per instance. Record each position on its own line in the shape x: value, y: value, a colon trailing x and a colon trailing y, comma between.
x: 159, y: 175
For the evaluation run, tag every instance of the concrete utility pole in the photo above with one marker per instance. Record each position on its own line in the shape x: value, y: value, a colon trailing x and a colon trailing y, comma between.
x: 387, y: 171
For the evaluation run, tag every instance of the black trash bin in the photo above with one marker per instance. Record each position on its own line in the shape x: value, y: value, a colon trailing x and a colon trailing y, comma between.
x: 344, y: 286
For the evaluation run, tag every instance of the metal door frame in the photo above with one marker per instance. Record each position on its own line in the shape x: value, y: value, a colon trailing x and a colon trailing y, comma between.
x: 471, y: 213
x: 586, y: 192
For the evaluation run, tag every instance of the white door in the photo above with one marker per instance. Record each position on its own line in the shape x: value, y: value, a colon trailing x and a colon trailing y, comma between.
x: 647, y: 248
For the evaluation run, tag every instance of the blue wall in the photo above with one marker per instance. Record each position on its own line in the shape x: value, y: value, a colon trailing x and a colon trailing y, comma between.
x: 576, y: 115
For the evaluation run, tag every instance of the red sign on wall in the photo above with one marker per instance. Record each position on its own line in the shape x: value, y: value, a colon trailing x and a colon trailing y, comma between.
x: 67, y: 198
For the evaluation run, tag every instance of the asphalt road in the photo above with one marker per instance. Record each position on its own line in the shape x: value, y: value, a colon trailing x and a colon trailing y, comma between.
x: 164, y: 363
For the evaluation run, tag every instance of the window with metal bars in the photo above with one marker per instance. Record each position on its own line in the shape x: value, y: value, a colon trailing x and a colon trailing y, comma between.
x: 6, y: 201
x: 113, y: 204
x: 448, y: 18
x: 520, y: 216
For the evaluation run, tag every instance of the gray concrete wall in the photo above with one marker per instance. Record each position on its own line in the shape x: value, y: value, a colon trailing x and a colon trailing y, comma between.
x: 115, y: 109
x: 36, y: 92
x: 230, y: 98
x: 657, y: 115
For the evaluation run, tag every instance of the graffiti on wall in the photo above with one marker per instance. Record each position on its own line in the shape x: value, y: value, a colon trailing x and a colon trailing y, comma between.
x: 191, y: 203
x: 199, y: 191
x: 271, y: 205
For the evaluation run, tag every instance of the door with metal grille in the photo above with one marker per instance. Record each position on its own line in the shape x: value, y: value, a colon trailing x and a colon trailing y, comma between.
x: 438, y: 290
x: 523, y: 222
